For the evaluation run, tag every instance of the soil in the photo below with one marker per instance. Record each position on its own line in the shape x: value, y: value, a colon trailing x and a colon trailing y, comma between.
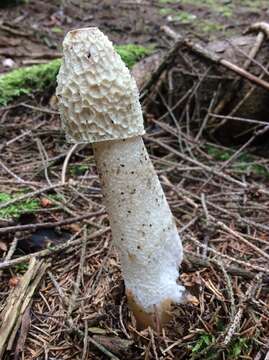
x: 32, y: 32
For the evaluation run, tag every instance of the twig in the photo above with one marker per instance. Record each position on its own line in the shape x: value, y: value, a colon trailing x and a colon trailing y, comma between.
x: 46, y: 225
x: 198, y: 163
x: 198, y: 261
x: 85, y: 341
x: 229, y: 288
x: 79, y: 278
x: 29, y: 195
x: 260, y: 26
x: 66, y: 160
x: 239, y: 237
x: 11, y: 251
x: 241, y: 262
x: 213, y: 57
x: 59, y: 289
x: 163, y: 65
x: 44, y: 110
x: 11, y: 172
x: 237, y: 318
x: 54, y: 250
x: 44, y: 159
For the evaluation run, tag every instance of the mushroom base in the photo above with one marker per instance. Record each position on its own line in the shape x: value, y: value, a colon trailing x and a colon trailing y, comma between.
x: 155, y: 319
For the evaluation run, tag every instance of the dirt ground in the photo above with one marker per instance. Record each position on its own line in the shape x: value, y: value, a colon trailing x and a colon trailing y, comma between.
x: 74, y: 305
x: 33, y: 32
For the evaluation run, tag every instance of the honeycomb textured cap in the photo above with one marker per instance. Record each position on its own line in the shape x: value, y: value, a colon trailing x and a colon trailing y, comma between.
x: 98, y: 98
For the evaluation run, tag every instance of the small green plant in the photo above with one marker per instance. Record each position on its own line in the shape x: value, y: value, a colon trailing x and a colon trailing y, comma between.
x: 21, y: 268
x: 169, y: 1
x: 209, y: 27
x: 182, y: 16
x: 15, y: 210
x: 57, y: 30
x: 219, y: 154
x: 204, y: 340
x: 78, y: 169
x: 244, y: 163
x: 238, y: 347
x: 225, y: 10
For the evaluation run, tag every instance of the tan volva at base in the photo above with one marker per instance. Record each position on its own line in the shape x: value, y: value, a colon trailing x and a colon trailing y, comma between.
x: 156, y: 319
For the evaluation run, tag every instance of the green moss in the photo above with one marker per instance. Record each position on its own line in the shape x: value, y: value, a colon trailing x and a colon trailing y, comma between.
x: 219, y: 154
x: 169, y: 1
x: 15, y: 210
x: 57, y: 30
x: 37, y: 78
x: 25, y: 80
x: 21, y: 268
x: 166, y: 11
x: 244, y: 163
x: 203, y: 341
x: 132, y: 53
x: 238, y: 347
x: 78, y: 169
x: 217, y: 6
x: 253, y: 4
x: 181, y: 16
x: 209, y: 27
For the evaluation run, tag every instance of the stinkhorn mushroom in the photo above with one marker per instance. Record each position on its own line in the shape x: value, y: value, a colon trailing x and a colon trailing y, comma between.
x: 99, y: 104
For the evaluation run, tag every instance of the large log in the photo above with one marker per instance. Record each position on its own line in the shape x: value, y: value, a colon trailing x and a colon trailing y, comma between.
x: 214, y: 81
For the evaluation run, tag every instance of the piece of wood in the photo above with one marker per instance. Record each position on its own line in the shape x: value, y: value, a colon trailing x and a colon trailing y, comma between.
x: 18, y: 301
x: 234, y: 71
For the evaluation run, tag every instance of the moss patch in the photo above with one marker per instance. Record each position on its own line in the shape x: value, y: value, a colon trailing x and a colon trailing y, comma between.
x: 131, y: 53
x: 25, y: 80
x: 183, y: 17
x: 219, y: 7
x: 209, y: 27
x: 15, y: 210
x: 245, y: 163
x: 30, y: 79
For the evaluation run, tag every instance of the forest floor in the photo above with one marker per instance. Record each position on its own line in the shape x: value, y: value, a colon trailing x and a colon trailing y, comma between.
x: 61, y: 290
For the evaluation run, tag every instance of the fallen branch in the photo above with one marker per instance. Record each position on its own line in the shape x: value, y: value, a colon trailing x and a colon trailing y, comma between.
x: 54, y: 250
x: 10, y: 229
x: 198, y: 261
x: 216, y: 59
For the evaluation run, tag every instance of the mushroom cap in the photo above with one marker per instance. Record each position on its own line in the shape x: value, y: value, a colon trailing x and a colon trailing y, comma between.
x: 98, y: 98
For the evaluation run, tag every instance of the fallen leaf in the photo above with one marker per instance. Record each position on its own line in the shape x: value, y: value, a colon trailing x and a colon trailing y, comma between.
x: 96, y: 330
x: 45, y: 202
x: 74, y: 228
x: 3, y: 246
x: 13, y: 282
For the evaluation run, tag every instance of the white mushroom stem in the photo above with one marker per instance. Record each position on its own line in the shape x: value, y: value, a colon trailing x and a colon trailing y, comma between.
x: 143, y: 228
x: 99, y: 104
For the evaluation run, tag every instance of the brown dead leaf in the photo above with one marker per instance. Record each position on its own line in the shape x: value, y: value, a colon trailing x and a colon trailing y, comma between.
x: 13, y: 282
x: 45, y: 202
x: 74, y: 228
x: 3, y: 246
x: 192, y: 300
x: 114, y: 344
